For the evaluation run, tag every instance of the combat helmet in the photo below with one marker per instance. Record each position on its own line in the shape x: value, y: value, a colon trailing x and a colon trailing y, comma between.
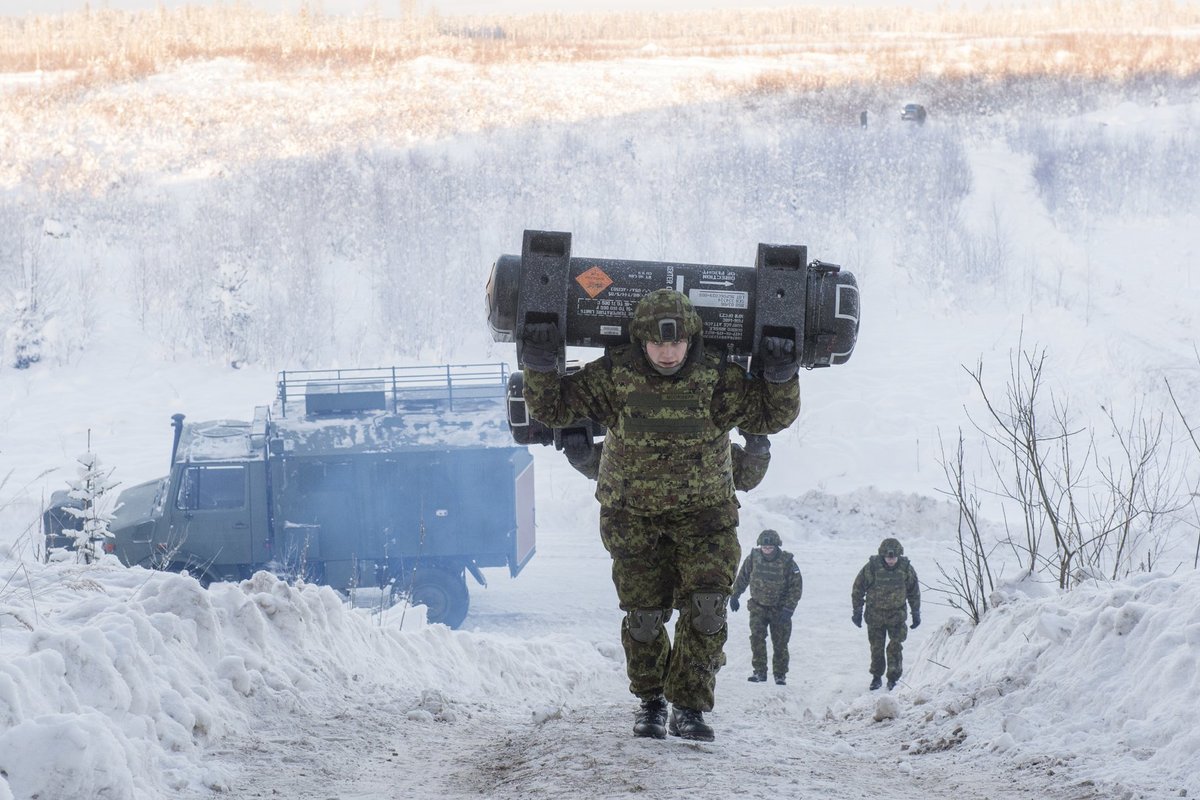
x: 770, y: 537
x: 664, y: 315
x: 891, y: 547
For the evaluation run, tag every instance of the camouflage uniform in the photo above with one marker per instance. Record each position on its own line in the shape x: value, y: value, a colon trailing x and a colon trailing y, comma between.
x: 668, y: 515
x: 776, y: 586
x: 749, y: 468
x: 884, y: 591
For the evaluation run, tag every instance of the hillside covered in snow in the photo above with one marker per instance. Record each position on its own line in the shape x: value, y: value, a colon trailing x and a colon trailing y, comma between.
x: 187, y: 215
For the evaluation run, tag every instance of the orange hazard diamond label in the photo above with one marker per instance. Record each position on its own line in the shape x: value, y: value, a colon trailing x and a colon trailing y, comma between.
x: 594, y: 281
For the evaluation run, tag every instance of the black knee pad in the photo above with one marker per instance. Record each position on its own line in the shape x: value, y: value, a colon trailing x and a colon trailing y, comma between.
x: 708, y: 611
x: 645, y: 623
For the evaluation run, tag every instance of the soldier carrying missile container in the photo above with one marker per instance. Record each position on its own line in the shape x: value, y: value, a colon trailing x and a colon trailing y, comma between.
x: 668, y: 513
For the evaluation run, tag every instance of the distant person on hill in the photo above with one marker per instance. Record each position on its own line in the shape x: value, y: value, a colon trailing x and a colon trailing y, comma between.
x: 668, y: 508
x: 884, y: 585
x: 775, y: 584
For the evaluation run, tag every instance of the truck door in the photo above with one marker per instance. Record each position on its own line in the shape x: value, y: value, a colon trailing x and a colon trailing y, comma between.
x: 416, y: 508
x: 524, y: 538
x: 324, y: 499
x: 211, y: 519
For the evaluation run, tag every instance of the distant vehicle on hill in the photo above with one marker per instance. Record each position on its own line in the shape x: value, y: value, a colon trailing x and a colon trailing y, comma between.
x: 401, y: 478
x: 913, y: 112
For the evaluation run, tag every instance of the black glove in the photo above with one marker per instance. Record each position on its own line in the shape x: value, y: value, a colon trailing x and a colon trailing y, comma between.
x: 916, y: 623
x: 779, y: 360
x: 857, y: 619
x: 734, y: 605
x: 757, y: 444
x: 577, y: 447
x: 540, y: 344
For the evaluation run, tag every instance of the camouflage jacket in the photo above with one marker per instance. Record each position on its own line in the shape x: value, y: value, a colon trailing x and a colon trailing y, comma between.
x: 774, y: 582
x: 885, y: 591
x: 667, y: 446
x: 748, y: 468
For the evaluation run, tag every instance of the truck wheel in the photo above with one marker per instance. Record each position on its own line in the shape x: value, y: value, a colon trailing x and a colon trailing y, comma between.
x: 444, y: 595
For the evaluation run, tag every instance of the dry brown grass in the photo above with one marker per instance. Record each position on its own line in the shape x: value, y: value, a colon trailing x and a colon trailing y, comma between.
x: 1086, y: 39
x: 92, y: 99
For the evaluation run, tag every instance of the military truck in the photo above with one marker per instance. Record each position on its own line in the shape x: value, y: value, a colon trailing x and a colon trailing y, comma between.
x: 401, y: 478
x: 913, y: 112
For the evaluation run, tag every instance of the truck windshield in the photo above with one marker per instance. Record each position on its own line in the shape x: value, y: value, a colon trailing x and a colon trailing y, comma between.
x: 209, y: 488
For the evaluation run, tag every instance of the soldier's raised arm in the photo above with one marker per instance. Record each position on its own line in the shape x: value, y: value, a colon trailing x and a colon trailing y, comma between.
x: 559, y: 400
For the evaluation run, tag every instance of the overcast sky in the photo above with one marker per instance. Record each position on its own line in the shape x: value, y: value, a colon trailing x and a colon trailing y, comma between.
x: 19, y: 7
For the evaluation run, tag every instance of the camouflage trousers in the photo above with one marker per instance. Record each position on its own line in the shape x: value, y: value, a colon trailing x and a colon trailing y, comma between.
x: 778, y: 622
x: 658, y: 563
x: 895, y: 634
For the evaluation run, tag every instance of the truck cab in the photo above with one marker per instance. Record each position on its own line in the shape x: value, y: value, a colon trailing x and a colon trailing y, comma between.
x: 209, y: 516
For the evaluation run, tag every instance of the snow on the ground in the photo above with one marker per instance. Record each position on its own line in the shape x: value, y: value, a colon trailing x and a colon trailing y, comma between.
x: 126, y: 683
x: 122, y: 683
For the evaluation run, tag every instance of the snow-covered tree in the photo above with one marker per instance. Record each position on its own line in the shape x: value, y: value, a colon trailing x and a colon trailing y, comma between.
x: 232, y: 310
x: 23, y: 338
x: 91, y: 489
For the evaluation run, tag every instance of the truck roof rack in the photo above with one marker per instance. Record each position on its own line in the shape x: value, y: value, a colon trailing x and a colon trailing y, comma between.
x: 351, y: 392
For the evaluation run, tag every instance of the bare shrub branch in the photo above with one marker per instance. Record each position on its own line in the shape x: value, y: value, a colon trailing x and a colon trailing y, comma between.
x: 969, y: 582
x: 1109, y: 510
x: 1195, y: 489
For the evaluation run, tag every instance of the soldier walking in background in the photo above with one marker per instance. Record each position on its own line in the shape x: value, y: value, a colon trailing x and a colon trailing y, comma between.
x: 668, y: 512
x: 884, y: 585
x: 776, y: 586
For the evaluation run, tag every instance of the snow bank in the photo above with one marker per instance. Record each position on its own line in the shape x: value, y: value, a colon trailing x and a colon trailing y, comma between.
x: 113, y: 681
x: 1095, y: 676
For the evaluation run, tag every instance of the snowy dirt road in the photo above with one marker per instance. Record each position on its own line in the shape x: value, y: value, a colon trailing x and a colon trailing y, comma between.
x: 372, y: 750
x: 568, y: 735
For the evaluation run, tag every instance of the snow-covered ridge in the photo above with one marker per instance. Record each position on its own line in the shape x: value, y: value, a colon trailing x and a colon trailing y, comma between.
x: 126, y: 676
x: 1105, y: 673
x: 129, y: 679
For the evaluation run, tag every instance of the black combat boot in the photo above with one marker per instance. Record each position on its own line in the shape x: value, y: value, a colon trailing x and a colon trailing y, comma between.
x: 651, y: 718
x: 876, y: 682
x: 758, y: 677
x: 780, y: 680
x: 892, y: 683
x: 688, y: 723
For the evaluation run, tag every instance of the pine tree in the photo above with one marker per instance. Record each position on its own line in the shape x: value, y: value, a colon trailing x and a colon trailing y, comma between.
x: 232, y: 311
x: 91, y: 489
x: 23, y: 339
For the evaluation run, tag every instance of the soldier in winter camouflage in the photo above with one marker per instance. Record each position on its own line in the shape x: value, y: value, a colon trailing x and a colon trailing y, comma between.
x: 668, y: 513
x: 775, y: 586
x: 886, y: 582
x: 750, y: 461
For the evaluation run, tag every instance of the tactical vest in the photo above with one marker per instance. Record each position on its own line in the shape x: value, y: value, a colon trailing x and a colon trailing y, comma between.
x: 664, y: 453
x: 769, y: 577
x: 887, y: 591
